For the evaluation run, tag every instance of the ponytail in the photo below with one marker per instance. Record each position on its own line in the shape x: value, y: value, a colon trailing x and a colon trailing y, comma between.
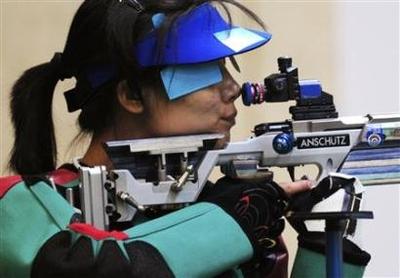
x: 34, y: 149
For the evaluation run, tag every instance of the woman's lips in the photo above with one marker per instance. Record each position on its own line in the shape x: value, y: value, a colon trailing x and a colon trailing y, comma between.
x: 229, y: 122
x: 230, y: 119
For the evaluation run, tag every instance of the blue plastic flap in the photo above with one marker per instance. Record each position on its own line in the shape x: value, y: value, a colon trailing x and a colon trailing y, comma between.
x: 185, y: 79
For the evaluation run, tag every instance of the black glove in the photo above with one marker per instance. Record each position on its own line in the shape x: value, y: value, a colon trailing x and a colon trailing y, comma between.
x: 311, y: 261
x: 352, y: 254
x: 314, y: 242
x: 305, y: 201
x: 258, y: 207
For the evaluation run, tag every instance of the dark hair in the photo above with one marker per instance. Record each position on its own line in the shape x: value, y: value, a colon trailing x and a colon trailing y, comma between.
x: 102, y: 33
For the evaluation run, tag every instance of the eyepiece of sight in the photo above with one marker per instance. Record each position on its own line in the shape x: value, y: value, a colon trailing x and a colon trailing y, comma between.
x: 277, y: 87
x: 253, y: 93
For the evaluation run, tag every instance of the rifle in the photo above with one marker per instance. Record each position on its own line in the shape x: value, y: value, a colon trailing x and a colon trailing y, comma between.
x: 170, y: 172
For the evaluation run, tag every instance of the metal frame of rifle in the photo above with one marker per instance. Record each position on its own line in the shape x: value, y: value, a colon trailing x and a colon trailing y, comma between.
x: 120, y: 192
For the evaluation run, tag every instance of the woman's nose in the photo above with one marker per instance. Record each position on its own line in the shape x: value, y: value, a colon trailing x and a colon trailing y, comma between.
x: 230, y: 90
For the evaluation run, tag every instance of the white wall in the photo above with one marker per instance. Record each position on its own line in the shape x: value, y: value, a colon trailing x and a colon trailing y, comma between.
x: 367, y: 77
x: 366, y: 57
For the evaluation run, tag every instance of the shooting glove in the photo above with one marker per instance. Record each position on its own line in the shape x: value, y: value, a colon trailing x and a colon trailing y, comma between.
x: 306, y: 201
x: 310, y: 257
x: 258, y: 207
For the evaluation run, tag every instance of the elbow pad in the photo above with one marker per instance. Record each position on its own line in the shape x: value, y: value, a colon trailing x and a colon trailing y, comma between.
x: 61, y: 256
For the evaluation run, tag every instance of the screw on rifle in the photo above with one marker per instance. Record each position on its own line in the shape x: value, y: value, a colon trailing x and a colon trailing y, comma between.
x: 110, y: 209
x: 108, y: 186
x: 177, y: 185
x: 112, y: 176
x: 124, y: 196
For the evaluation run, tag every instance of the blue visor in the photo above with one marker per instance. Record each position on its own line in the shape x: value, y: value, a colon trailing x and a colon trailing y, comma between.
x: 198, y: 37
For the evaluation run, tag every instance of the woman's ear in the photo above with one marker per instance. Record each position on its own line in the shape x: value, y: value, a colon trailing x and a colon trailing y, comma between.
x: 128, y: 103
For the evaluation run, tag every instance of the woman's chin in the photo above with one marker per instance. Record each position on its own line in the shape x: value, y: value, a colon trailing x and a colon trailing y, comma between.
x: 223, y: 142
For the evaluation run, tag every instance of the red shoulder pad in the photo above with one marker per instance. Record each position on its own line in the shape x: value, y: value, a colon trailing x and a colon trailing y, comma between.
x: 63, y: 176
x: 6, y: 183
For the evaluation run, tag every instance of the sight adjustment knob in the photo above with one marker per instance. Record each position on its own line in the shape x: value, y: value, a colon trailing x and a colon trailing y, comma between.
x: 283, y: 143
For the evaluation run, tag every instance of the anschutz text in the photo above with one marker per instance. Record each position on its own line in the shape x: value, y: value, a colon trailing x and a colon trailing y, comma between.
x: 323, y: 141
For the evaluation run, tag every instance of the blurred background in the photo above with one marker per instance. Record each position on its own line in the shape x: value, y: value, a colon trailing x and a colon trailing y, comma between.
x: 352, y: 47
